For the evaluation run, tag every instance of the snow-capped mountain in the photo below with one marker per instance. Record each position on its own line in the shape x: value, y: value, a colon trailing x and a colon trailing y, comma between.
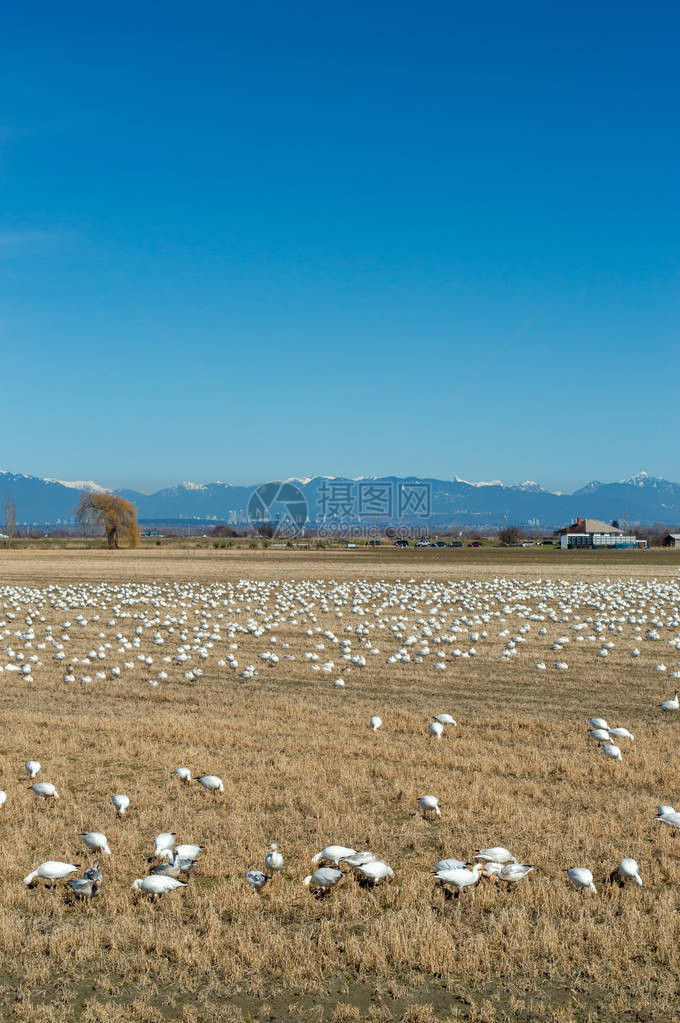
x: 641, y: 498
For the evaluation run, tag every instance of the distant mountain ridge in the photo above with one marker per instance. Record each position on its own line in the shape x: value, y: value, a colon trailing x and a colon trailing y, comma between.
x: 642, y: 498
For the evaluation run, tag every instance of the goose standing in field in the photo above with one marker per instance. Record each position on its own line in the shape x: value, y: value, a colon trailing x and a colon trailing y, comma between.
x: 256, y: 879
x: 3, y: 797
x: 183, y: 773
x: 323, y: 879
x: 610, y: 750
x: 32, y: 768
x: 333, y: 854
x: 163, y: 842
x: 627, y: 870
x: 211, y: 783
x: 156, y: 886
x: 598, y: 723
x: 273, y: 861
x: 83, y: 888
x: 673, y: 704
x: 429, y: 804
x: 52, y: 871
x: 121, y: 803
x: 444, y: 719
x: 436, y: 729
x: 96, y: 841
x: 581, y: 878
x: 496, y: 854
x: 44, y: 789
x: 375, y: 723
x: 460, y: 877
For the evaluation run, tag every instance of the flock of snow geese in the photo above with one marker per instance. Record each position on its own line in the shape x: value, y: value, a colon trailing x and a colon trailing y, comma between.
x: 163, y: 634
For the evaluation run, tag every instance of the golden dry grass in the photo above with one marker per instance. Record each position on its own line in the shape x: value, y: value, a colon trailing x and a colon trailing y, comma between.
x: 301, y: 767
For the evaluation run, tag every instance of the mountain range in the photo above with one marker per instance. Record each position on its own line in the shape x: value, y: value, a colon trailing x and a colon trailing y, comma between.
x: 641, y: 499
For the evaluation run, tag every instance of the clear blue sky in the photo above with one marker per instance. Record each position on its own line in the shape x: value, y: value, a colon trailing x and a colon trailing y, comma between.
x: 339, y: 211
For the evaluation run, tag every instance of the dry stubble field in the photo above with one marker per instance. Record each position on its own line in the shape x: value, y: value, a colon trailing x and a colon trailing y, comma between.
x: 301, y: 767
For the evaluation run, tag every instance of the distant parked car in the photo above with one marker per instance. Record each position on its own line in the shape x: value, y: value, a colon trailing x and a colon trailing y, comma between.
x: 456, y: 543
x: 401, y: 543
x: 475, y: 543
x: 547, y: 543
x: 438, y: 543
x: 423, y: 543
x: 528, y: 543
x: 373, y: 543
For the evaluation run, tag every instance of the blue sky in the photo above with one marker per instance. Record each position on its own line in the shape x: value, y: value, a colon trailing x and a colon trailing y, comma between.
x: 339, y: 212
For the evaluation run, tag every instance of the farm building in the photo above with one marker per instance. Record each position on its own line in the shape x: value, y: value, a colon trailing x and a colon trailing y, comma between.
x: 591, y: 533
x: 591, y: 526
x: 671, y: 540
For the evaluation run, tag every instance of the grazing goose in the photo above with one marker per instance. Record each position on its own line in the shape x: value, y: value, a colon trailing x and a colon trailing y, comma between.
x: 444, y: 719
x: 169, y: 869
x: 52, y: 871
x: 375, y: 723
x: 673, y: 704
x: 598, y: 723
x: 164, y: 841
x: 83, y: 888
x: 191, y: 852
x: 156, y: 885
x: 211, y: 783
x: 32, y: 768
x: 183, y: 773
x: 374, y: 871
x: 3, y: 797
x: 513, y: 872
x: 93, y: 873
x: 429, y: 804
x: 460, y: 877
x: 612, y: 751
x: 450, y: 864
x: 672, y: 819
x: 497, y: 854
x: 663, y: 809
x: 95, y: 841
x: 435, y: 728
x: 273, y: 861
x: 256, y: 879
x: 581, y: 878
x: 324, y: 878
x: 333, y: 854
x: 359, y: 858
x: 627, y: 870
x: 599, y: 735
x: 121, y: 803
x: 621, y: 733
x: 45, y: 789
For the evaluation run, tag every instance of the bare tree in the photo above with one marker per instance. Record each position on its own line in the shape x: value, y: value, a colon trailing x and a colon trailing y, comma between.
x: 509, y: 535
x: 9, y: 508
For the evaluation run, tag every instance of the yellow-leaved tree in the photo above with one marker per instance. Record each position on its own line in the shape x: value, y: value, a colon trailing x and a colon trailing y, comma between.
x: 116, y: 516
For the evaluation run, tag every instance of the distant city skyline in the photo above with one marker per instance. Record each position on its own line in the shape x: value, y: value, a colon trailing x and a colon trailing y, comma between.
x: 338, y: 219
